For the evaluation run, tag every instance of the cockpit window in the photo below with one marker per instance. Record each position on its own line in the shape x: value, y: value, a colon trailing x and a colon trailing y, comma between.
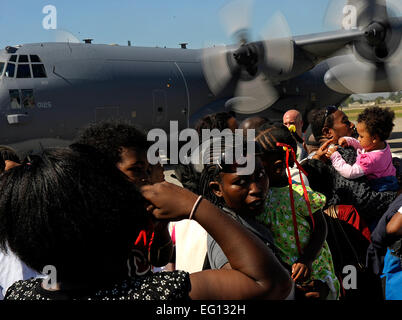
x: 38, y: 71
x: 23, y: 71
x: 10, y: 70
x: 23, y: 58
x: 34, y: 58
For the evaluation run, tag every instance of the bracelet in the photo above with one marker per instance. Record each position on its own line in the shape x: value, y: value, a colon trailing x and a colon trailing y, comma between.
x: 195, y: 206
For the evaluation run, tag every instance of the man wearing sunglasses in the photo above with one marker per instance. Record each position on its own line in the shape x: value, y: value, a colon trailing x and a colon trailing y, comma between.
x: 330, y: 123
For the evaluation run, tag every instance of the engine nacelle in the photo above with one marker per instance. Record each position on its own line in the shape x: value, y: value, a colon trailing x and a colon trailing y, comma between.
x: 354, y: 76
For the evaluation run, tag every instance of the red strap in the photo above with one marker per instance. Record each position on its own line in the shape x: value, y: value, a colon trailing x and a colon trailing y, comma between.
x: 292, y: 204
x: 289, y: 150
x: 143, y: 236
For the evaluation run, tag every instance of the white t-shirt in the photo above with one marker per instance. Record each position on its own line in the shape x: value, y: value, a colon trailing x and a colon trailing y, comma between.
x: 12, y: 269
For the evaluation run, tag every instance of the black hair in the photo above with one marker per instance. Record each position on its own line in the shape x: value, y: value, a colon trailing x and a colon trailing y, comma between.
x: 109, y: 137
x: 255, y: 121
x: 317, y: 121
x: 378, y: 121
x: 310, y: 140
x: 268, y: 135
x: 7, y: 153
x: 217, y: 120
x: 73, y: 209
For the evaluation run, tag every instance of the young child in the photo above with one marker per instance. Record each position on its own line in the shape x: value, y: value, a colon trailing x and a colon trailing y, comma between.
x: 301, y: 241
x: 374, y: 159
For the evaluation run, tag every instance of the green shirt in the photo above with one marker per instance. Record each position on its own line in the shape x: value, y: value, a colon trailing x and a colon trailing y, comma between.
x: 277, y: 216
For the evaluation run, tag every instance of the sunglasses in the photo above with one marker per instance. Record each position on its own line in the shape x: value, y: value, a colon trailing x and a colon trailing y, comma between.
x: 329, y: 110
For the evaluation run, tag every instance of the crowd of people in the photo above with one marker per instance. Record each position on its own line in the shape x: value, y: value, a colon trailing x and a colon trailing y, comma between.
x: 320, y: 216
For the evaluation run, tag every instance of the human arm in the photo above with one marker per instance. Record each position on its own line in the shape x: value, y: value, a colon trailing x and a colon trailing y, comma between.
x: 346, y: 170
x: 256, y: 273
x: 301, y: 270
x: 350, y: 142
x: 394, y: 226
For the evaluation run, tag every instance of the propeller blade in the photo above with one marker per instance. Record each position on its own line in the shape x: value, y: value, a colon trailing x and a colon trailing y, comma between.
x: 253, y: 96
x: 236, y: 17
x: 216, y: 68
x: 64, y: 36
x: 349, y: 75
x: 393, y: 69
x: 279, y: 46
x: 394, y: 72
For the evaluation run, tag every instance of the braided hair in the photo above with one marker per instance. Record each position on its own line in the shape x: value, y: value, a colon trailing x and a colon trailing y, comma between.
x: 268, y: 135
x: 210, y: 173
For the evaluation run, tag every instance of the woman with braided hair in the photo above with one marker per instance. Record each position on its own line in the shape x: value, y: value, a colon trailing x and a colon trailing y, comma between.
x: 239, y: 194
x: 293, y: 213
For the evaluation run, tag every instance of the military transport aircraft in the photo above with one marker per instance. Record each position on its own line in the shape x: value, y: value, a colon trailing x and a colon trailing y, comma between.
x: 49, y: 90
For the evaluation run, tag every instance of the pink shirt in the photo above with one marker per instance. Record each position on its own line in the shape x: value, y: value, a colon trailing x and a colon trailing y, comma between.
x: 373, y: 164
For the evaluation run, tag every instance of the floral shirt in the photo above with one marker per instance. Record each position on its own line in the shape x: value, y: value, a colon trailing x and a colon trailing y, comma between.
x: 278, y: 217
x: 154, y: 286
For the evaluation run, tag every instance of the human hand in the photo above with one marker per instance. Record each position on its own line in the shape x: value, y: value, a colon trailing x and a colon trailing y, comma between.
x: 322, y: 152
x: 301, y: 271
x: 331, y: 150
x: 168, y: 201
x: 157, y: 174
x: 343, y: 142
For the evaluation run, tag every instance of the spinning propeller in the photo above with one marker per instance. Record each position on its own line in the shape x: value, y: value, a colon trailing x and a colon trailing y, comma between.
x: 375, y: 64
x: 63, y: 36
x: 252, y: 68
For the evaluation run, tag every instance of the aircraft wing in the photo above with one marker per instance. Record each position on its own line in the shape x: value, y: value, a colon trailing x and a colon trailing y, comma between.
x: 323, y: 45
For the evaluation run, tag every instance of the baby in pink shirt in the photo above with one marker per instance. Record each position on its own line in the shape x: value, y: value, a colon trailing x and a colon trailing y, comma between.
x: 374, y: 159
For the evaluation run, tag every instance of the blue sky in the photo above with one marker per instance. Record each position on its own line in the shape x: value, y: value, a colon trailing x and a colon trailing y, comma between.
x: 149, y: 22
